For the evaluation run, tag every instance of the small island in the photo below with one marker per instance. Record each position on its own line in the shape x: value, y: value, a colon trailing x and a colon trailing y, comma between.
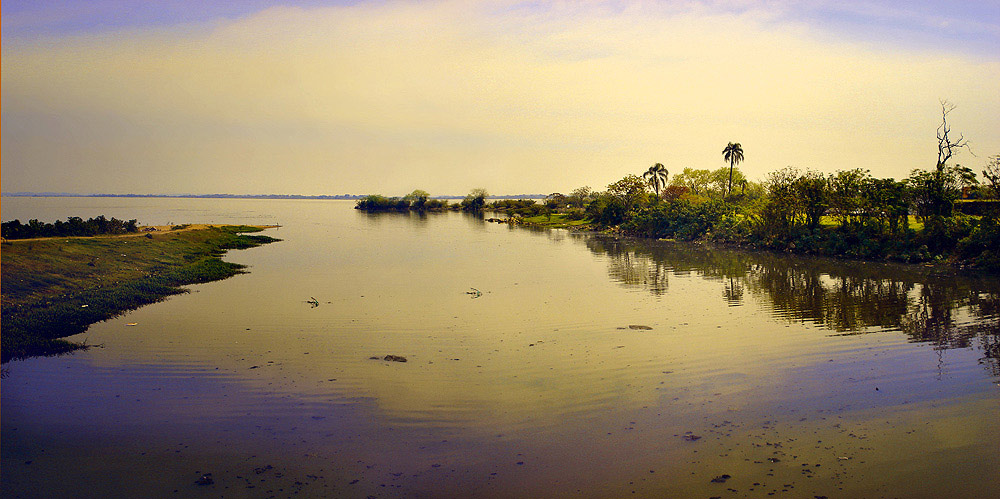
x: 56, y: 286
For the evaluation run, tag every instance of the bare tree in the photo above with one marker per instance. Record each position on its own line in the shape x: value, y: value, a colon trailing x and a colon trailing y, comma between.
x: 947, y: 147
x: 937, y: 185
x: 992, y: 174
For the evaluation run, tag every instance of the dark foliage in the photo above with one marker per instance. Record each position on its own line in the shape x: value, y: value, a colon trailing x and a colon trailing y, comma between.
x: 73, y: 226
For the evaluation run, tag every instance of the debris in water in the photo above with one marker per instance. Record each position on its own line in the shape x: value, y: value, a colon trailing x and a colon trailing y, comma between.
x: 475, y: 293
x: 639, y: 326
x: 721, y: 479
x: 691, y: 438
x: 132, y: 324
x: 205, y: 479
x: 314, y: 302
x: 394, y: 358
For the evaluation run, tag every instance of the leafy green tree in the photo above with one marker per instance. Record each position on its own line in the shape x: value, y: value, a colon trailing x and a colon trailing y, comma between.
x: 812, y: 196
x: 845, y: 195
x: 934, y: 192
x: 656, y: 175
x: 607, y: 209
x: 630, y: 190
x: 721, y: 177
x: 733, y: 153
x: 886, y: 203
x: 475, y: 200
x: 580, y: 196
x: 696, y: 180
x: 555, y: 201
x: 779, y: 212
x: 417, y: 199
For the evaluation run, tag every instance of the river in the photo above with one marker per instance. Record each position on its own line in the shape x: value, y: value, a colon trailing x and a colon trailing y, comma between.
x: 540, y: 363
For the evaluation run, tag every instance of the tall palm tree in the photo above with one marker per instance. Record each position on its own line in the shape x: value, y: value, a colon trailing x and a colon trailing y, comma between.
x: 733, y: 153
x: 656, y: 175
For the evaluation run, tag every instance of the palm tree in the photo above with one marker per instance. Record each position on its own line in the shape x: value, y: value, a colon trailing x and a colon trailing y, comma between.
x: 656, y: 175
x: 733, y: 153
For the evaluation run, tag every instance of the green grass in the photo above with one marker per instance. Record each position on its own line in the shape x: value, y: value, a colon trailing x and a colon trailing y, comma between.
x: 54, y: 288
x: 831, y: 221
x: 556, y: 221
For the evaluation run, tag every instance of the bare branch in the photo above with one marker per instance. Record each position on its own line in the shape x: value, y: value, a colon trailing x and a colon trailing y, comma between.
x: 946, y: 147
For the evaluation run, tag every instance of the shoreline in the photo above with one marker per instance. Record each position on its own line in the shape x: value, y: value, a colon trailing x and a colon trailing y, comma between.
x: 55, y: 287
x: 952, y: 262
x: 147, y: 229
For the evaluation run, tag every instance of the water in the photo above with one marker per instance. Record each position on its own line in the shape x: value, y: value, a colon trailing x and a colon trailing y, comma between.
x: 802, y: 377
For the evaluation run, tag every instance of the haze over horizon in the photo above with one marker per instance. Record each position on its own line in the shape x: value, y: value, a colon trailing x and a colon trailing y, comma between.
x: 332, y: 97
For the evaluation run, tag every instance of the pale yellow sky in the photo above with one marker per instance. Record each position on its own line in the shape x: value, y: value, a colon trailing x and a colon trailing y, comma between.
x: 446, y: 96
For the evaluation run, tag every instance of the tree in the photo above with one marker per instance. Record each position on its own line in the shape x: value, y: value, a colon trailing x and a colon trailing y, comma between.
x: 946, y: 147
x: 733, y: 153
x: 656, y: 175
x: 630, y: 190
x: 934, y: 192
x: 845, y: 195
x: 811, y: 193
x: 417, y: 199
x: 555, y: 201
x: 992, y: 174
x: 938, y: 188
x: 580, y: 196
x: 697, y: 181
x: 722, y: 177
x: 673, y: 193
x: 475, y: 200
x: 781, y: 209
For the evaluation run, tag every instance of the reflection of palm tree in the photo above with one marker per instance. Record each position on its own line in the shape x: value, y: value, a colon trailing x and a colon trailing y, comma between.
x: 656, y: 175
x: 734, y: 292
x: 733, y: 153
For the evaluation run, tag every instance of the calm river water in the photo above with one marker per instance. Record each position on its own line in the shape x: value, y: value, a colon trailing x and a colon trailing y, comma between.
x: 776, y: 376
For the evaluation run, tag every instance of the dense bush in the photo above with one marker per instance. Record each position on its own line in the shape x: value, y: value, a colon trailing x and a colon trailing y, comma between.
x: 982, y: 246
x: 73, y: 226
x: 416, y: 201
x: 680, y: 220
x: 475, y: 201
x: 521, y: 207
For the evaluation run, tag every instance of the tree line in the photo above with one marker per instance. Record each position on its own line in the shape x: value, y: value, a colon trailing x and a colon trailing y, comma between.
x: 932, y: 214
x: 420, y: 201
x: 73, y: 226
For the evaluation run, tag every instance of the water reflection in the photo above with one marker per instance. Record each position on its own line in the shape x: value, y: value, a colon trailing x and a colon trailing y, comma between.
x: 539, y: 388
x: 850, y: 298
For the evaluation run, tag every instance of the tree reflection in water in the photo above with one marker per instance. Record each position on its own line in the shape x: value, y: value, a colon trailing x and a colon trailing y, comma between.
x: 942, y: 308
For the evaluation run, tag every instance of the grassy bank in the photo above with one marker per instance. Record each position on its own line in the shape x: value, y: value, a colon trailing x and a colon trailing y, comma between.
x: 550, y: 221
x: 57, y: 287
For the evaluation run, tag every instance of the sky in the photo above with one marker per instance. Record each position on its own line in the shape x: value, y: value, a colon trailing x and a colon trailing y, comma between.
x: 334, y: 97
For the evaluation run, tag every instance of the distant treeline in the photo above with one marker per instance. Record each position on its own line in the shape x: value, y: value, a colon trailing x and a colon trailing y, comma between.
x: 420, y: 201
x: 73, y: 226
